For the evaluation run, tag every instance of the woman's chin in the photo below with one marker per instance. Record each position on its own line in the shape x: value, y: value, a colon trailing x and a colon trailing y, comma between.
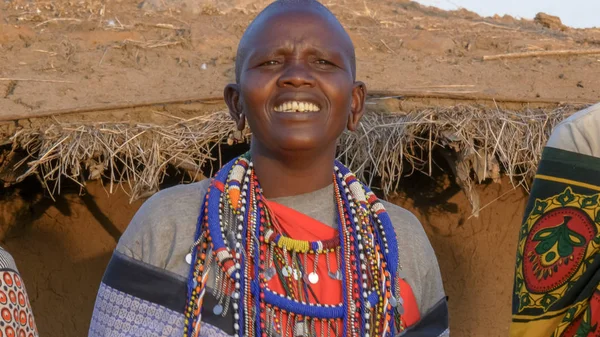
x: 300, y: 144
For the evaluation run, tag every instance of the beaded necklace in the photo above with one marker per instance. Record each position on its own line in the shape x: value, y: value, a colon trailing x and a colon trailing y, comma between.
x: 240, y: 242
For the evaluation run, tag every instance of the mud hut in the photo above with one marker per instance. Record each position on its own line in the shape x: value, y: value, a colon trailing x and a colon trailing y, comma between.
x: 106, y: 103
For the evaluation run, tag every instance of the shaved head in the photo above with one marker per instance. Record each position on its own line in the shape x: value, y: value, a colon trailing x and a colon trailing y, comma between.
x: 295, y: 84
x: 290, y: 7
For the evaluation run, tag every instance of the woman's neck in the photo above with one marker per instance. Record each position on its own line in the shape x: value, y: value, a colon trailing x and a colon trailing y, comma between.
x: 300, y: 173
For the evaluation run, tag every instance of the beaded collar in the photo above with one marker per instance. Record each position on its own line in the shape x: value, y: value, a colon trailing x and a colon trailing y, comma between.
x: 237, y: 238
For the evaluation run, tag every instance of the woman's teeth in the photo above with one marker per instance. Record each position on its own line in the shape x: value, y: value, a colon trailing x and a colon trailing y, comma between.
x: 295, y: 106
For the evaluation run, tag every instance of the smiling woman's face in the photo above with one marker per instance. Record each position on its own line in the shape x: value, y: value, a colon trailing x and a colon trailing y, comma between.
x: 296, y: 81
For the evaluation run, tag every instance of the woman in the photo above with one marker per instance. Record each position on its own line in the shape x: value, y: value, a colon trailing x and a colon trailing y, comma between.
x: 557, y: 279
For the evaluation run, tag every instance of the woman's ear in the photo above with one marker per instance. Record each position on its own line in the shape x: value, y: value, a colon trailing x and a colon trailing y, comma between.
x: 357, y: 109
x: 232, y: 99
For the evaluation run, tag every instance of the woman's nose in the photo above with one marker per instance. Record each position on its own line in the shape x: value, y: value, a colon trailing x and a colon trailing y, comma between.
x: 296, y: 75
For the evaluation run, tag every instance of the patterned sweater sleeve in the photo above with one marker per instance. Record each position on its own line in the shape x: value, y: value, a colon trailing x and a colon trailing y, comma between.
x: 144, y: 288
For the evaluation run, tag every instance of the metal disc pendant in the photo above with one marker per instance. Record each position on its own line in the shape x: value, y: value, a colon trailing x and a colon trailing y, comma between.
x: 188, y: 258
x: 400, y: 309
x: 286, y: 271
x: 336, y: 276
x: 393, y: 301
x: 299, y: 329
x: 313, y: 278
x: 231, y: 239
x: 296, y: 274
x: 269, y: 273
x: 218, y: 309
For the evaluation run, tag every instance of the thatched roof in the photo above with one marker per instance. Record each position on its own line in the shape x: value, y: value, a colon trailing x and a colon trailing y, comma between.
x: 89, y: 53
x: 480, y: 141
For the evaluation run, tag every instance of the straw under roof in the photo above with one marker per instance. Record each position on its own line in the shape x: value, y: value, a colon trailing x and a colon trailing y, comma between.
x: 479, y: 142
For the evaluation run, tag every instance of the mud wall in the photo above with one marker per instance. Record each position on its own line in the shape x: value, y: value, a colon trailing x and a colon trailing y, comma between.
x: 62, y: 248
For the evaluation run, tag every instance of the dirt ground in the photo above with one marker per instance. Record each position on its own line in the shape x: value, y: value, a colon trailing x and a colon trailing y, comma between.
x: 65, y: 54
x: 95, y: 52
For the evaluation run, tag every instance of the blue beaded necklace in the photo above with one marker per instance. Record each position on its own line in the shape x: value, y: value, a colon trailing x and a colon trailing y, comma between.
x: 230, y: 242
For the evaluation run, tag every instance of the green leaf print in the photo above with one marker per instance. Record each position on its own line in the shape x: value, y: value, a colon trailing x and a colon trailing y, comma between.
x: 562, y: 236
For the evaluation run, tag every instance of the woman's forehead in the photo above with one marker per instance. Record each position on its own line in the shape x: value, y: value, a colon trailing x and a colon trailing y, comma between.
x: 299, y: 28
x: 283, y: 23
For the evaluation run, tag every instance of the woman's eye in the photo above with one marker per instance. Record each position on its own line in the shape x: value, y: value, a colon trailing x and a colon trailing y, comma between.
x: 270, y: 63
x: 324, y: 62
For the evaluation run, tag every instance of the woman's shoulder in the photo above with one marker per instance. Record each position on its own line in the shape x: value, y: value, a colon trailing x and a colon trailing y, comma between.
x: 163, y: 229
x: 414, y: 247
x: 579, y: 133
x: 404, y: 221
x: 170, y: 205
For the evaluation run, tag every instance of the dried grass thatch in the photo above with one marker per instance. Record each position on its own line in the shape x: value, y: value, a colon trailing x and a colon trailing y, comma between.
x: 479, y: 141
x: 482, y: 143
x: 133, y: 154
